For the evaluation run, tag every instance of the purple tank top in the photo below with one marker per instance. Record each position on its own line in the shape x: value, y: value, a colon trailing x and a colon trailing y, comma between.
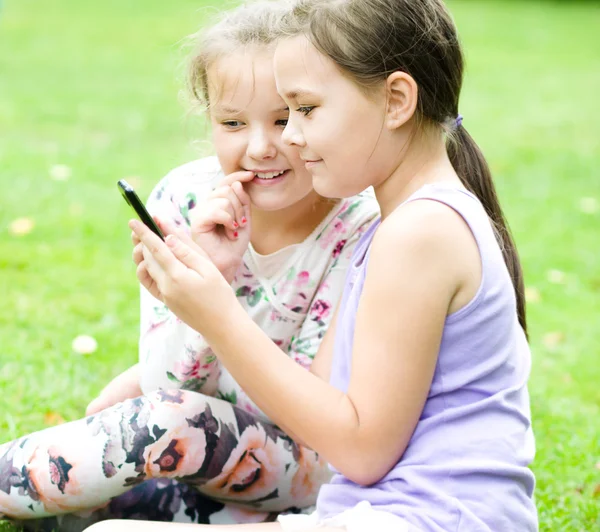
x: 466, y: 465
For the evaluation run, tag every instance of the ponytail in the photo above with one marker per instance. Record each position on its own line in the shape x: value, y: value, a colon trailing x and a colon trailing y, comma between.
x: 473, y: 171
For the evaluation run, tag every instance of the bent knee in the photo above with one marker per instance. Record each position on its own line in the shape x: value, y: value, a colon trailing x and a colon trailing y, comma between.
x: 104, y: 526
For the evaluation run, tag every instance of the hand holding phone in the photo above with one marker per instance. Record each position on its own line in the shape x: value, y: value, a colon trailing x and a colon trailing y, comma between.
x: 136, y: 204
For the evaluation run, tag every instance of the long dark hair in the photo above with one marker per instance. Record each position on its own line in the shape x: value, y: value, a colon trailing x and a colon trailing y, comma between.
x: 370, y: 39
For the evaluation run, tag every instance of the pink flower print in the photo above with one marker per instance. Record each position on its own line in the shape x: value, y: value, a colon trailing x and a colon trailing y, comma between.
x: 320, y: 309
x: 334, y: 231
x: 311, y: 474
x: 275, y: 317
x: 302, y: 279
x: 284, y: 345
x: 194, y: 365
x: 302, y: 359
x: 338, y: 248
x: 187, y: 369
x: 298, y: 303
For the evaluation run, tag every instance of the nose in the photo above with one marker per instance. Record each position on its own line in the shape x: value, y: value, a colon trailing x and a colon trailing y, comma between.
x: 292, y: 135
x: 261, y: 145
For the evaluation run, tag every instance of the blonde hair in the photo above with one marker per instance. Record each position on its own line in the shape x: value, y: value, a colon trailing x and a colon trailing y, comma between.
x: 249, y: 25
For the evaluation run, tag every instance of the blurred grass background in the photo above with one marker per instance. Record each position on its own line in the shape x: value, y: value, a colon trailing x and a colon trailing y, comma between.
x: 89, y: 95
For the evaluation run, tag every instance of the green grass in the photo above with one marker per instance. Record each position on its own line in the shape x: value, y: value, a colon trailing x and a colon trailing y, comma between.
x: 94, y: 86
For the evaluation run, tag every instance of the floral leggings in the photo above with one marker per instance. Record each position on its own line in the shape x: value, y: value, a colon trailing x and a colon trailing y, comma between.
x: 168, y: 456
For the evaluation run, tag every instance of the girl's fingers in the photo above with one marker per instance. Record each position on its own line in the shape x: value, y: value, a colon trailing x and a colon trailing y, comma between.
x: 244, y: 200
x: 241, y: 193
x: 134, y: 239
x: 138, y: 253
x: 243, y: 176
x: 168, y: 227
x: 225, y: 218
x: 198, y: 262
x: 226, y: 198
x: 155, y: 273
x: 143, y: 276
x: 219, y: 212
x: 184, y: 236
x: 236, y: 204
x: 157, y: 249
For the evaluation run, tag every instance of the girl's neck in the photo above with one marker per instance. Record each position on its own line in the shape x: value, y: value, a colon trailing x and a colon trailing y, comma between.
x: 425, y: 162
x: 274, y: 230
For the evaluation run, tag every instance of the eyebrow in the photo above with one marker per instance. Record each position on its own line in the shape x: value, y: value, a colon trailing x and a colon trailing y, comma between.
x: 228, y: 110
x: 232, y: 111
x: 299, y: 93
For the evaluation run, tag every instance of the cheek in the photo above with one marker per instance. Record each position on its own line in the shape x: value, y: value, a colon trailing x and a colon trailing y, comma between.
x: 358, y: 139
x: 291, y: 154
x: 230, y: 149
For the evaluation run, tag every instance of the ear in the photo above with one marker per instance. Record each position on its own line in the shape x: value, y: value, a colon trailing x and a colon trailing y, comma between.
x: 402, y: 95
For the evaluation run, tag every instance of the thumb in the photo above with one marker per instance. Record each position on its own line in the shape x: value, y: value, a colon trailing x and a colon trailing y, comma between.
x: 194, y: 258
x: 168, y: 227
x: 182, y: 235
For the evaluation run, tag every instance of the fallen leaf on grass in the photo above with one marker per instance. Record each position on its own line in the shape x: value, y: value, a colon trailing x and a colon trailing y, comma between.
x: 53, y: 418
x: 21, y: 226
x: 532, y: 295
x: 552, y: 340
x: 556, y: 276
x: 596, y: 491
x: 84, y: 344
x: 60, y: 172
x: 588, y: 205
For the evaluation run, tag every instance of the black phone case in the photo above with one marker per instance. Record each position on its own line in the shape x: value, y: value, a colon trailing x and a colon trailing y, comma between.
x: 134, y: 201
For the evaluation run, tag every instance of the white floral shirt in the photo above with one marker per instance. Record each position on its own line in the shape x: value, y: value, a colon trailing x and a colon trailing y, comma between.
x: 293, y: 306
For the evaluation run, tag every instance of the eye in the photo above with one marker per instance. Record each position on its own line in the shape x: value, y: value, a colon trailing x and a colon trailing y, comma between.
x: 305, y: 109
x: 281, y: 122
x: 232, y: 124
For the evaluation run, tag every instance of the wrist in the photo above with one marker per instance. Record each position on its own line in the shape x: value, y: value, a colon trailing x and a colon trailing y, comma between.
x: 230, y: 271
x: 226, y: 318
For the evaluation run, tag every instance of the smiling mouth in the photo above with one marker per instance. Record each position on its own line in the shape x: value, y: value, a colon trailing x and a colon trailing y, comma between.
x: 269, y: 175
x: 309, y: 164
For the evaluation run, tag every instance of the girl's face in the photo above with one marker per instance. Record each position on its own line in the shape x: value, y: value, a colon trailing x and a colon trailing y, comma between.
x: 248, y: 117
x: 338, y: 129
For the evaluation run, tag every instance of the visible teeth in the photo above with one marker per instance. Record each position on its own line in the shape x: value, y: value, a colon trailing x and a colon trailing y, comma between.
x: 269, y: 175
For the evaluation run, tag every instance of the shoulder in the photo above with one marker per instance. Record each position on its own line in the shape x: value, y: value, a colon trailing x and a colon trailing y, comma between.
x: 423, y: 237
x: 190, y: 178
x: 422, y: 222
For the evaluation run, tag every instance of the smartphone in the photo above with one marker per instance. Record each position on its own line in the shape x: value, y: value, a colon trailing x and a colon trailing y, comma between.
x: 132, y: 198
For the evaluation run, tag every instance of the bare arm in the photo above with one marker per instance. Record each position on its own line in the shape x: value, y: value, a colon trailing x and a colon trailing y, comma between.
x: 399, y: 326
x: 124, y: 386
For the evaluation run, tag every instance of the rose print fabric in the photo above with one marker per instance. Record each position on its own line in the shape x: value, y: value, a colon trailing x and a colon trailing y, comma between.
x: 195, y: 448
x: 218, y: 453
